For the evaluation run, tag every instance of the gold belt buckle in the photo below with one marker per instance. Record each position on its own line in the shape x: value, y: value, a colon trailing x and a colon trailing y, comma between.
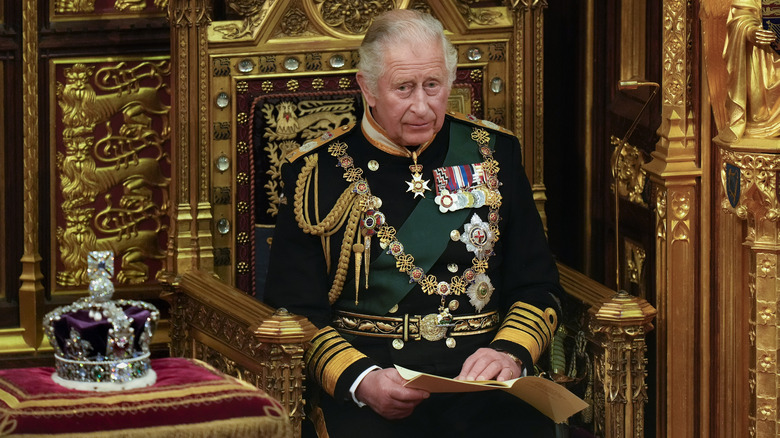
x: 430, y: 329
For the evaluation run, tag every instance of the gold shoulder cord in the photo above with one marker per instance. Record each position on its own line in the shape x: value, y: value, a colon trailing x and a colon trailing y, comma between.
x: 347, y: 209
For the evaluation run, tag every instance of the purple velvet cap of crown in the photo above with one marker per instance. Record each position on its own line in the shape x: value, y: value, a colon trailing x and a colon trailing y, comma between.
x: 96, y: 332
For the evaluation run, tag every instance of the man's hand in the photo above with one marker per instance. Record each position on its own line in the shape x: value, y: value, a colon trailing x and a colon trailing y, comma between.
x: 489, y: 364
x: 384, y: 392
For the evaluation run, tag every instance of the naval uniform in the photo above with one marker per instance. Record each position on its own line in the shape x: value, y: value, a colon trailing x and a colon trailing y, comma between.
x: 464, y: 266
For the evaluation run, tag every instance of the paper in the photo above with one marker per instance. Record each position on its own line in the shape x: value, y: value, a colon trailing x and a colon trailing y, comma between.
x: 548, y: 397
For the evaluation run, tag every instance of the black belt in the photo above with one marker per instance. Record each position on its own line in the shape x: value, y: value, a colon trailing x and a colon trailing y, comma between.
x: 414, y: 327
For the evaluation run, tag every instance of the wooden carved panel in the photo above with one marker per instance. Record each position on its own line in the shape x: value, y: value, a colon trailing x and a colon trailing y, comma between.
x: 110, y: 174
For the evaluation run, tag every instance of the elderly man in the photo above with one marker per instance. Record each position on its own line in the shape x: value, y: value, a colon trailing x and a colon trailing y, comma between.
x: 411, y: 238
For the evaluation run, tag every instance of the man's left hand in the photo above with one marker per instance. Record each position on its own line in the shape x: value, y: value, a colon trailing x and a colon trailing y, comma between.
x: 489, y: 364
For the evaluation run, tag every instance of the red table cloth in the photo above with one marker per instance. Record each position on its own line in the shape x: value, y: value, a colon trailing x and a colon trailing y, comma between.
x: 189, y: 399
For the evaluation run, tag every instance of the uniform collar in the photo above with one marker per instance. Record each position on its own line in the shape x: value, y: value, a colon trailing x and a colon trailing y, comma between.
x: 377, y: 136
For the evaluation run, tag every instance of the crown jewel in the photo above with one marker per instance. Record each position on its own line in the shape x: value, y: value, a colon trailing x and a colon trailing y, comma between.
x: 102, y: 344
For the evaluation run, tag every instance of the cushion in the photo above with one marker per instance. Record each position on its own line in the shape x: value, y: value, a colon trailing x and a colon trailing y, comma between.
x: 189, y: 399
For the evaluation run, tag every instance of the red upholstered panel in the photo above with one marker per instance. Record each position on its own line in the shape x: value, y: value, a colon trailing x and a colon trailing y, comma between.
x: 189, y: 399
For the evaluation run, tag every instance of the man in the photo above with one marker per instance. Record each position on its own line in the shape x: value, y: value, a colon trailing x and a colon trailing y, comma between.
x: 412, y: 238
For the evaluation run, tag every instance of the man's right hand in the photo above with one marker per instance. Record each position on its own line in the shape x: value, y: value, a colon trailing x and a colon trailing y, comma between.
x: 384, y: 392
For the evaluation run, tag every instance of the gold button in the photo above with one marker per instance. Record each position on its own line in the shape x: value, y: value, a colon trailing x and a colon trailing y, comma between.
x: 394, y: 309
x: 450, y: 342
x: 452, y: 267
x: 373, y: 165
x: 454, y: 305
x: 398, y: 344
x: 455, y: 235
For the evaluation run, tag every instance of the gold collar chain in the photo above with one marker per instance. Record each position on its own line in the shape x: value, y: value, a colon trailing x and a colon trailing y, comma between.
x: 387, y: 233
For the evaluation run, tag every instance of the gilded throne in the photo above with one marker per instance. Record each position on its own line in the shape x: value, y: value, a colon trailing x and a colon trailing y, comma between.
x: 259, y: 81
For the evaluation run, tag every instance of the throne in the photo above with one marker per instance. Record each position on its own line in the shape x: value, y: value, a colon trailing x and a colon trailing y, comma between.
x: 260, y: 78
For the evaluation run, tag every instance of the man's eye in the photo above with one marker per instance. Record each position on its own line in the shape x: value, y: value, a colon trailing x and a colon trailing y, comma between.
x: 403, y: 88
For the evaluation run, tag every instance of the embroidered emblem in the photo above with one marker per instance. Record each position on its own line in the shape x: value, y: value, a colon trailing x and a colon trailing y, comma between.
x: 478, y: 237
x: 480, y: 291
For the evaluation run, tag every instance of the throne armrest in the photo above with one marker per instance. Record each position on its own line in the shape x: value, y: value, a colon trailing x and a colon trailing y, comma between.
x: 239, y: 336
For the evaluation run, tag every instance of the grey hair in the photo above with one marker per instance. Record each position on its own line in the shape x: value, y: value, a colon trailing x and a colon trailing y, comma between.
x: 399, y: 26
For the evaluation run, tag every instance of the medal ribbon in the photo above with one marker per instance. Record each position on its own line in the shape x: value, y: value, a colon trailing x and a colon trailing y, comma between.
x: 388, y: 285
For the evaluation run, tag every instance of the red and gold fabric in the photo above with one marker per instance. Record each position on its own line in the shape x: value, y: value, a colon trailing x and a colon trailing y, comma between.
x: 190, y: 399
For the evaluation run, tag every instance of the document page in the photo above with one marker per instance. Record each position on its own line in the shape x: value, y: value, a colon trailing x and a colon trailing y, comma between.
x: 548, y: 397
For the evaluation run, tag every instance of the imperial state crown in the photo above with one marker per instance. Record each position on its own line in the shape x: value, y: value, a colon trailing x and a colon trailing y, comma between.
x: 102, y: 344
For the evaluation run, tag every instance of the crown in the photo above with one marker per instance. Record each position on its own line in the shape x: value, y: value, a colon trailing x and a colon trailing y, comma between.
x: 102, y: 344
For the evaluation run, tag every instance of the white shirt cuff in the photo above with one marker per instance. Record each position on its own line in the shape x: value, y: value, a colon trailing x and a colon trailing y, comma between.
x: 356, y: 383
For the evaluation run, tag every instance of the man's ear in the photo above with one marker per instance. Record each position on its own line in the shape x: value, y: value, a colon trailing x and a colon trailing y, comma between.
x: 363, y: 83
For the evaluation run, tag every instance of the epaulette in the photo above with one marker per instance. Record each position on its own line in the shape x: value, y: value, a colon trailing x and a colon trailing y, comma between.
x: 310, y: 145
x: 479, y: 122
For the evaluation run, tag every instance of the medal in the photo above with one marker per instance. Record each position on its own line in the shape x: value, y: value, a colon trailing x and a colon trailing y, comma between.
x: 478, y: 237
x: 480, y: 291
x: 417, y: 185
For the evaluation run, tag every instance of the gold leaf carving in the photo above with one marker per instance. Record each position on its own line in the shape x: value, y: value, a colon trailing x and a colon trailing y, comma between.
x: 69, y: 6
x: 631, y: 177
x: 253, y: 13
x: 354, y: 17
x: 635, y: 260
x: 294, y: 22
x: 483, y: 17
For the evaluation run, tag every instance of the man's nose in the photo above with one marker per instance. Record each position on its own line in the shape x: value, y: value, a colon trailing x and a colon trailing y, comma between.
x: 419, y: 99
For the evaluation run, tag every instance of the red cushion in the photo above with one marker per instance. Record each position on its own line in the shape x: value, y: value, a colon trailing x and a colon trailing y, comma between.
x: 190, y: 398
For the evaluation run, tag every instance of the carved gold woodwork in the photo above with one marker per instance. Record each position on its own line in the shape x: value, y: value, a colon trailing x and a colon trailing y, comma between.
x: 111, y: 164
x: 676, y: 175
x: 627, y: 167
x: 609, y: 355
x: 527, y: 47
x: 634, y: 262
x: 240, y: 336
x: 31, y: 294
x: 619, y: 326
x: 749, y: 170
x: 105, y: 9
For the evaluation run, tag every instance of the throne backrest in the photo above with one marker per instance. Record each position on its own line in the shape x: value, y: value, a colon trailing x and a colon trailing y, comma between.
x: 286, y: 75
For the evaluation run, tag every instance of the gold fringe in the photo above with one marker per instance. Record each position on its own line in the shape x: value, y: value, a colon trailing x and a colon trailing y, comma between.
x: 235, y: 427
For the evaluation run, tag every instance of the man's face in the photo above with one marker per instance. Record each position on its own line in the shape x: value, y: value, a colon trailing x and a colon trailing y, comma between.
x: 411, y: 97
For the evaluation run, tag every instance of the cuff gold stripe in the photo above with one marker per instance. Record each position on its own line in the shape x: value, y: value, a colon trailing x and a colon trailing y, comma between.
x: 336, y: 366
x: 509, y: 329
x: 319, y: 344
x: 521, y: 338
x: 323, y: 348
x: 330, y: 356
x: 547, y: 318
x: 530, y: 325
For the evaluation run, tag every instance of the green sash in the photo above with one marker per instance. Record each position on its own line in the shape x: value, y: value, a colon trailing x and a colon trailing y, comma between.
x: 387, y: 285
